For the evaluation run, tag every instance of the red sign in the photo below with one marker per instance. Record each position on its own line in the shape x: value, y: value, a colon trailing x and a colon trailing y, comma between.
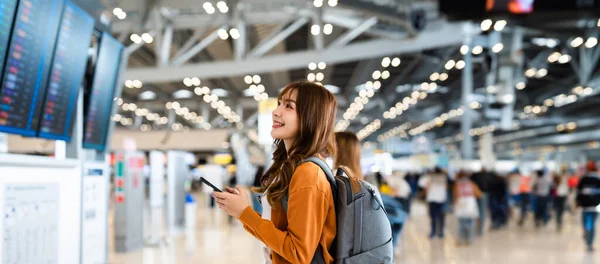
x: 120, y: 183
x: 120, y: 198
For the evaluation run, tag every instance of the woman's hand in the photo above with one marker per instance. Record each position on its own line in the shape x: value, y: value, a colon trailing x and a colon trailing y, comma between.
x: 233, y: 201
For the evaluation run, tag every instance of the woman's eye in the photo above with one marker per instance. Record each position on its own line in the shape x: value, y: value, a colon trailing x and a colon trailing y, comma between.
x: 288, y: 106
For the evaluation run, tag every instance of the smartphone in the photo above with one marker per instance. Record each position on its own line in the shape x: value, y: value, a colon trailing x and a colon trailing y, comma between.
x: 210, y: 184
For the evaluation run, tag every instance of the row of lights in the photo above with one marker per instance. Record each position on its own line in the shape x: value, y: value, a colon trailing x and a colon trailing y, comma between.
x: 476, y: 132
x: 488, y: 23
x: 256, y: 88
x: 559, y: 100
x: 219, y: 105
x: 569, y: 127
x: 319, y: 3
x: 179, y: 127
x: 119, y: 13
x: 369, y: 129
x: 558, y: 57
x: 185, y: 113
x: 315, y: 29
x: 403, y: 105
x: 438, y: 121
x: 367, y: 92
x: 137, y: 39
x: 589, y: 43
x: 537, y: 73
x: 399, y: 130
x: 193, y: 81
x: 210, y: 9
x: 138, y: 112
x: 233, y: 32
x: 134, y: 84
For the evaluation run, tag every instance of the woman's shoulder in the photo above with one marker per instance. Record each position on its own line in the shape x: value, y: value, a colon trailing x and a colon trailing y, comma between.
x: 309, y: 175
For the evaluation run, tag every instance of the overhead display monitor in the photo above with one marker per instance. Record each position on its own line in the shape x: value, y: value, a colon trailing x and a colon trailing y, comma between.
x: 26, y: 73
x: 7, y: 16
x: 68, y: 67
x: 101, y: 96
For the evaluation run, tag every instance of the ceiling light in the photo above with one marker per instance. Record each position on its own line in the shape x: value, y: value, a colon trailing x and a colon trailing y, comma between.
x: 376, y: 75
x: 196, y: 81
x: 576, y: 42
x: 135, y: 38
x: 122, y: 15
x: 385, y: 62
x: 424, y: 86
x: 571, y: 126
x: 332, y: 3
x: 486, y: 24
x: 129, y: 84
x: 369, y: 85
x: 385, y: 75
x: 396, y: 62
x: 536, y: 109
x: 187, y: 82
x: 327, y: 29
x: 464, y: 49
x: 554, y: 57
x: 520, y: 85
x: 248, y: 79
x: 477, y: 50
x: 235, y: 33
x: 492, y: 89
x: 588, y: 91
x: 318, y: 3
x: 460, y: 64
x: 500, y: 24
x: 315, y: 30
x: 311, y: 77
x: 591, y: 42
x: 322, y: 65
x: 117, y: 11
x: 256, y: 79
x: 370, y: 93
x: 548, y: 102
x: 444, y: 76
x: 450, y: 64
x: 422, y: 95
x: 223, y: 34
x: 312, y: 66
x: 147, y: 38
x: 541, y: 73
x: 320, y: 76
x: 508, y: 98
x: 434, y: 76
x: 376, y: 85
x: 475, y: 105
x: 137, y: 84
x: 498, y: 47
x: 564, y: 58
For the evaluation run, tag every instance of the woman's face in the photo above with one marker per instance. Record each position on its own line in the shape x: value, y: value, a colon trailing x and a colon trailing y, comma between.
x: 286, y: 125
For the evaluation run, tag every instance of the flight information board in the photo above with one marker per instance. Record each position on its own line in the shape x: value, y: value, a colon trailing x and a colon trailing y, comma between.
x: 102, y: 93
x: 68, y: 67
x: 7, y: 15
x: 28, y: 62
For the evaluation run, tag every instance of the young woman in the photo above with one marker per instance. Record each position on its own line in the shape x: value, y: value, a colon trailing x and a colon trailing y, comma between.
x: 302, y: 127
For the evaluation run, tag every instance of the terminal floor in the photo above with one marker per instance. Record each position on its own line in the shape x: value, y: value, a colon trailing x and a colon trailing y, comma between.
x: 214, y: 240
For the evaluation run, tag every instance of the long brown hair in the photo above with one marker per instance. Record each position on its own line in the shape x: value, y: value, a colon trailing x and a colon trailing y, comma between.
x: 348, y: 152
x: 316, y: 109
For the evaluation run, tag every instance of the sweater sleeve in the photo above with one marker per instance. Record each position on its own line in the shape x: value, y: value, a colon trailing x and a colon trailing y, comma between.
x: 307, y: 213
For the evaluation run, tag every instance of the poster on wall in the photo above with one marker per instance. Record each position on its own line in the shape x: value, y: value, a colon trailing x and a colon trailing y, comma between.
x: 30, y: 232
x: 95, y: 212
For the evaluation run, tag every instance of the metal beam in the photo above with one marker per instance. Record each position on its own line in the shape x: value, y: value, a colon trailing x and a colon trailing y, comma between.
x: 165, y: 47
x: 352, y: 34
x: 192, y: 52
x: 189, y: 43
x: 319, y: 39
x: 239, y: 45
x: 276, y: 37
x: 443, y: 36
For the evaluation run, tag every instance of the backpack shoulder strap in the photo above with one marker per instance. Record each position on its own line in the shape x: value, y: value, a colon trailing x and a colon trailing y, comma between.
x: 324, y: 167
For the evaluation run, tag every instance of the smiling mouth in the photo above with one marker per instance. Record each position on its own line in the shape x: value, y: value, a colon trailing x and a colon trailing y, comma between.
x: 277, y: 124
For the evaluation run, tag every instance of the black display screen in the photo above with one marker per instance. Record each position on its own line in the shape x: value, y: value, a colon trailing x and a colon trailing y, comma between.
x: 101, y: 96
x: 7, y: 16
x: 68, y: 67
x: 29, y: 57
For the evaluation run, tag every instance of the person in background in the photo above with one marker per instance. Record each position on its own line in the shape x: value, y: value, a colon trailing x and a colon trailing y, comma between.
x: 525, y: 188
x: 482, y: 179
x: 572, y: 182
x: 401, y: 189
x: 498, y: 190
x: 542, y: 194
x: 588, y: 198
x: 466, y: 210
x: 562, y: 191
x: 436, y: 195
x: 348, y: 152
x: 514, y: 184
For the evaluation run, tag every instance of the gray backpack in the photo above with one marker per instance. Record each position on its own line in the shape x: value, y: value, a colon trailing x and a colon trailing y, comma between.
x: 364, y: 234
